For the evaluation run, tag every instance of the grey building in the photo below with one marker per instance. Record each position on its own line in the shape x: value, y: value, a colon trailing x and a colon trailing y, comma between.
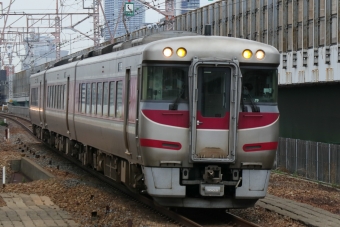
x: 3, y: 84
x: 185, y: 6
x: 39, y: 50
x: 114, y: 12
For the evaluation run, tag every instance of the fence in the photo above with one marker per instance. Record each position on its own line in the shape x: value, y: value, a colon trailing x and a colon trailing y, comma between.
x: 19, y: 110
x: 312, y: 160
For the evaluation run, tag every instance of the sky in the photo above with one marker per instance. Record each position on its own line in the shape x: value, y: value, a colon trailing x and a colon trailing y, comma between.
x: 73, y: 41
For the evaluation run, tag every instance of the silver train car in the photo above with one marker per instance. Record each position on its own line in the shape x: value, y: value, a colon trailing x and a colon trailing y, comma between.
x: 190, y: 120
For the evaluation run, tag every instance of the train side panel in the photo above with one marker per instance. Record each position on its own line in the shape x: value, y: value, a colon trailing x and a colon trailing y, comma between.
x: 57, y: 98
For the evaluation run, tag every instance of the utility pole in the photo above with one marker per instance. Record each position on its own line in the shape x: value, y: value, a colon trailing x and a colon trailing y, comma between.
x: 57, y: 33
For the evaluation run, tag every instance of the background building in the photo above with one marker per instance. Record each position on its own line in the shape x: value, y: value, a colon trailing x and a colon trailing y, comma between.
x: 113, y: 13
x: 3, y: 84
x: 39, y: 50
x: 185, y: 6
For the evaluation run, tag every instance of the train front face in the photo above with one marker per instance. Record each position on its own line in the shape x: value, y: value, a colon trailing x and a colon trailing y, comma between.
x: 208, y: 121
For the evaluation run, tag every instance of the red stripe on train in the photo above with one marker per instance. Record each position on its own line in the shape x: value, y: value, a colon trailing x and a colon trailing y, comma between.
x: 176, y: 118
x: 179, y: 118
x: 160, y: 144
x: 254, y: 120
x: 260, y: 146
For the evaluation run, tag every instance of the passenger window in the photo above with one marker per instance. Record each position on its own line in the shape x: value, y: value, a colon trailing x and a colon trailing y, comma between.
x: 54, y: 96
x: 119, y: 99
x: 34, y: 97
x: 51, y: 96
x: 64, y: 96
x: 59, y: 96
x: 48, y: 96
x: 112, y: 99
x: 83, y: 97
x: 99, y: 98
x: 94, y: 98
x: 88, y: 98
x: 106, y: 99
x: 51, y: 103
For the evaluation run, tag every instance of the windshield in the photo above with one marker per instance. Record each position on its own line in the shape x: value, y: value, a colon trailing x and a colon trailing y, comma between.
x: 259, y: 85
x: 165, y: 83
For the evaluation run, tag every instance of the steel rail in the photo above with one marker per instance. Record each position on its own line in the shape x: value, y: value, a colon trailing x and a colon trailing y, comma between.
x: 240, y: 221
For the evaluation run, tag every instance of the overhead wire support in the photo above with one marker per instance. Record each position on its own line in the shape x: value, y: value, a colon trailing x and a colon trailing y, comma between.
x: 96, y: 31
x: 169, y: 12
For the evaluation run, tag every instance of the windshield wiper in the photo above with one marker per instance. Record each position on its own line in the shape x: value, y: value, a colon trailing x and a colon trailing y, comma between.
x: 254, y: 107
x: 174, y: 105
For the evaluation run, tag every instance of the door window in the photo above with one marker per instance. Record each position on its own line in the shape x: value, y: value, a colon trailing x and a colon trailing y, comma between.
x: 214, y: 91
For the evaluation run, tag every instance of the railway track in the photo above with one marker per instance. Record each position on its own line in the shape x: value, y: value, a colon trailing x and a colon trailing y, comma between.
x: 181, y: 220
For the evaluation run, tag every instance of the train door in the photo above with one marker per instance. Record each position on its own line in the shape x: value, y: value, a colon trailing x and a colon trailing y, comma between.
x: 139, y: 76
x: 41, y: 104
x: 214, y: 108
x: 126, y: 111
x: 42, y: 107
x: 66, y: 101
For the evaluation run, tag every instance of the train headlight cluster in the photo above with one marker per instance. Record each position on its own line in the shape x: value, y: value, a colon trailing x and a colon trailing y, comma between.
x: 181, y: 52
x: 167, y: 52
x: 247, y: 54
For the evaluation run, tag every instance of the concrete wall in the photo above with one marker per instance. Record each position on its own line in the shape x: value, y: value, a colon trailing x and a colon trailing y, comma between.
x: 19, y: 110
x: 30, y: 169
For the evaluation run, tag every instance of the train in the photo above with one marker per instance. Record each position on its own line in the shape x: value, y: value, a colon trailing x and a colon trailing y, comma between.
x: 189, y: 120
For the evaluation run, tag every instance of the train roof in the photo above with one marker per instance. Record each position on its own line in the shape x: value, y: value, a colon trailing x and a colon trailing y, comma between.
x: 151, y: 49
x: 218, y: 47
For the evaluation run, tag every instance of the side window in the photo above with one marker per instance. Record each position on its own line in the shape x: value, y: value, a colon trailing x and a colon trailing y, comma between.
x: 61, y: 96
x: 83, y: 97
x: 106, y: 99
x: 65, y: 97
x: 34, y: 96
x: 99, y: 98
x: 54, y: 97
x: 94, y: 98
x: 51, y: 97
x: 88, y: 98
x: 48, y: 96
x: 112, y: 99
x: 58, y: 96
x: 119, y: 99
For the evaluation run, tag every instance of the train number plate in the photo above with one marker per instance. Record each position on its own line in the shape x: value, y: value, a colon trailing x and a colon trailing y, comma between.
x: 211, y: 190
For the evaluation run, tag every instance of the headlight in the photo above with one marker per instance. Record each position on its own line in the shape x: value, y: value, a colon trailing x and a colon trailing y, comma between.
x: 181, y: 52
x: 167, y: 52
x: 247, y: 54
x: 260, y: 54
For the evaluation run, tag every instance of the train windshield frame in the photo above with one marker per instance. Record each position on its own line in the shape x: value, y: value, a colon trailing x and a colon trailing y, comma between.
x: 259, y: 85
x: 165, y: 83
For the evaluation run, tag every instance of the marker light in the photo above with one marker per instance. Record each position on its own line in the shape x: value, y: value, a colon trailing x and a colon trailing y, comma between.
x: 181, y: 52
x: 260, y: 54
x: 247, y: 54
x: 167, y: 52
